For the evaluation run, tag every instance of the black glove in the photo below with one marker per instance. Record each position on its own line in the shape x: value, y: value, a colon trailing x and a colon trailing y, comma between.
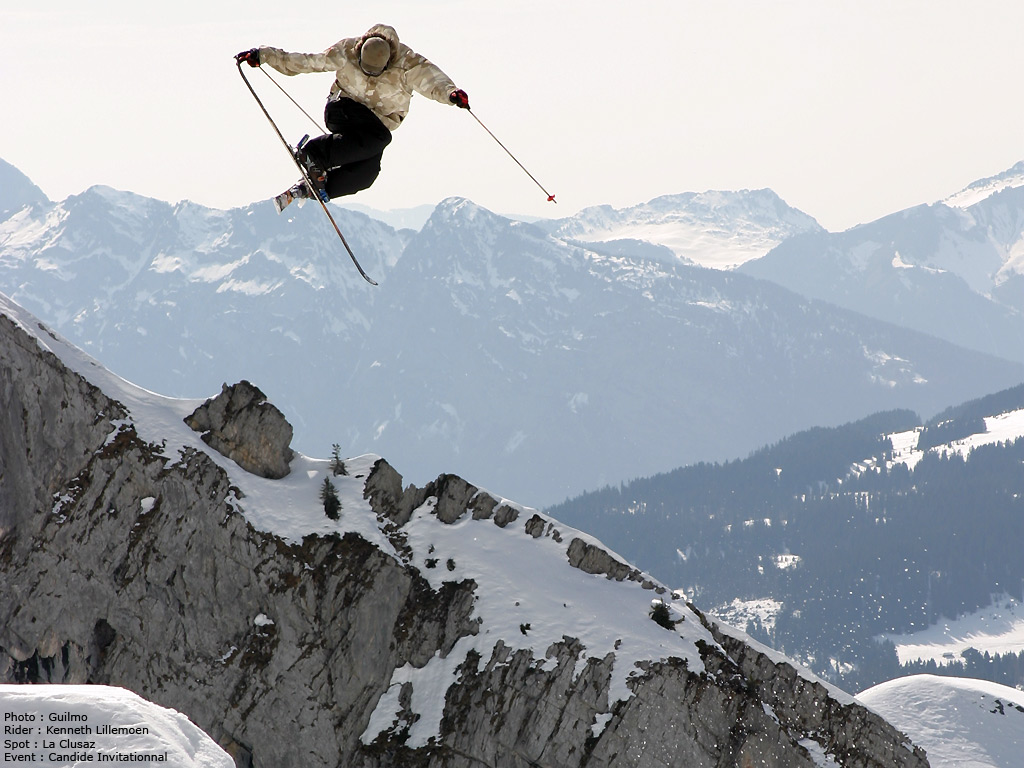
x: 250, y: 57
x: 459, y: 98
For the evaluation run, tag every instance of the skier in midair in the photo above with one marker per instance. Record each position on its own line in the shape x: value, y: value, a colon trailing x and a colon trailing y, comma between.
x: 375, y: 77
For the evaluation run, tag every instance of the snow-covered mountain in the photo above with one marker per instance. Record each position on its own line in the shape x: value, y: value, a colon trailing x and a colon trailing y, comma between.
x: 712, y: 229
x: 954, y: 269
x: 401, y: 218
x: 605, y: 366
x: 984, y: 188
x: 961, y: 723
x: 434, y: 626
x: 17, y: 191
x: 84, y: 724
x: 492, y: 348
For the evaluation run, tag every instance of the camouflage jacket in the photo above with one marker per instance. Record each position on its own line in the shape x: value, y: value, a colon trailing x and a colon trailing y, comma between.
x: 387, y: 95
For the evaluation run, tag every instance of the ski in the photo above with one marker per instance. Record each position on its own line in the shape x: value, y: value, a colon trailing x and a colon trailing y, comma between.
x: 305, y: 176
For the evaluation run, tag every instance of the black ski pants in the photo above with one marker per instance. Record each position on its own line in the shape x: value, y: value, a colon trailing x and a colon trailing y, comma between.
x: 352, y: 151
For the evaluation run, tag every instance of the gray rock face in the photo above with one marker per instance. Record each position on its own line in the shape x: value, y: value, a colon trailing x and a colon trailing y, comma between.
x: 49, y: 424
x: 592, y: 559
x: 240, y: 424
x: 126, y: 566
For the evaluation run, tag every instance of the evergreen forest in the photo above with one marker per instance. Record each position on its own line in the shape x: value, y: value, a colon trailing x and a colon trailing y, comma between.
x: 852, y: 545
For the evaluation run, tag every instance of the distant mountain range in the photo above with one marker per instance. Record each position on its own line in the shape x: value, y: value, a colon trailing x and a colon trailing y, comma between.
x: 711, y: 229
x: 953, y: 269
x: 543, y: 359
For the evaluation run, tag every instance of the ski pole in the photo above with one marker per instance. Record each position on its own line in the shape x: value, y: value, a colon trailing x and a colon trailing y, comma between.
x: 551, y: 197
x: 293, y: 101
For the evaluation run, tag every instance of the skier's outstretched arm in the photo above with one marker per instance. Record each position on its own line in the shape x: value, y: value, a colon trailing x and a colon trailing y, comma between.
x: 295, y: 63
x: 426, y: 78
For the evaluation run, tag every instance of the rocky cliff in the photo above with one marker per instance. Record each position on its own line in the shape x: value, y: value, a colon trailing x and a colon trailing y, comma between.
x: 435, y: 626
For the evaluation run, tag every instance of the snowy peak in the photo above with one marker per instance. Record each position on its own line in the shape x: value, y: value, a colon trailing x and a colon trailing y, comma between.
x: 929, y: 239
x: 714, y: 229
x: 503, y: 271
x: 959, y: 722
x: 466, y: 224
x: 533, y: 579
x: 984, y: 188
x: 996, y: 207
x: 146, y: 271
x: 17, y: 191
x: 462, y: 210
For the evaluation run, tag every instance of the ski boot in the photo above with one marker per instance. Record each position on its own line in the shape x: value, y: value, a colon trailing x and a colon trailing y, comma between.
x: 316, y: 174
x: 298, y: 192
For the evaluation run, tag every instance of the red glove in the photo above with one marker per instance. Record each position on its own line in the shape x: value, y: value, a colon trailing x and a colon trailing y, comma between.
x: 250, y: 57
x: 459, y: 98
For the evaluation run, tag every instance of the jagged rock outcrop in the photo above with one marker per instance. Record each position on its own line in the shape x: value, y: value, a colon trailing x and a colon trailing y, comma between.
x: 591, y: 558
x: 241, y: 424
x: 441, y: 627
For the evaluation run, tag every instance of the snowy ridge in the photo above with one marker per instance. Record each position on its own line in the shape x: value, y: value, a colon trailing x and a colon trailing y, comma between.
x: 122, y: 240
x: 518, y: 607
x: 961, y: 723
x: 169, y: 736
x: 952, y: 269
x: 713, y: 229
x: 985, y: 188
x: 513, y: 570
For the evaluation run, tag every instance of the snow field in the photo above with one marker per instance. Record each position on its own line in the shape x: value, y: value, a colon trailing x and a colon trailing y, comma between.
x: 960, y: 722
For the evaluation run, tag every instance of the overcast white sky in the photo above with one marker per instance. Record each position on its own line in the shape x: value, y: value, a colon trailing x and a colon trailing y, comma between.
x: 849, y: 110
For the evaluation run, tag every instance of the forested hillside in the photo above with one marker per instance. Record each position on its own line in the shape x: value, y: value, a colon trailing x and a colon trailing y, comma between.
x: 845, y: 543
